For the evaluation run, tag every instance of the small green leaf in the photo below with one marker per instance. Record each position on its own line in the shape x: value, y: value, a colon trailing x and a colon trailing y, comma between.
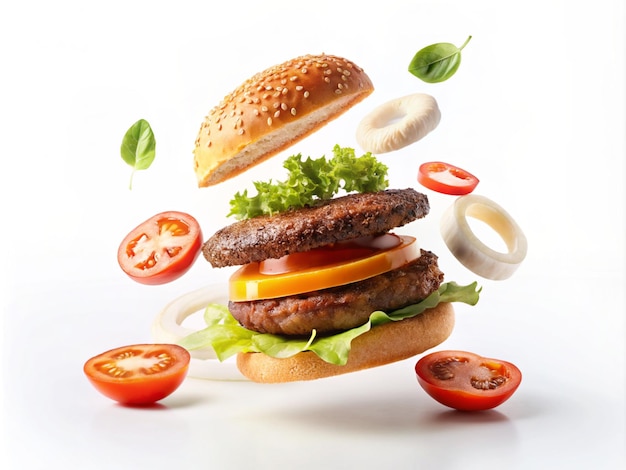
x: 437, y: 62
x: 138, y: 147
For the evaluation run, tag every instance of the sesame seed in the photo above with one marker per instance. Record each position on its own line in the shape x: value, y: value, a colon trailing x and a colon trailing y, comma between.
x: 256, y: 112
x: 327, y: 80
x: 299, y: 88
x: 264, y: 109
x: 276, y: 105
x: 306, y: 94
x: 269, y: 121
x: 284, y: 106
x: 219, y: 127
x: 293, y: 78
x: 338, y: 91
x: 293, y: 111
x: 304, y: 70
x: 241, y: 131
x: 277, y: 113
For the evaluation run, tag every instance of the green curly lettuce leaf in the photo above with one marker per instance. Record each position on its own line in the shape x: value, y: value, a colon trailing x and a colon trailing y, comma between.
x: 228, y: 338
x: 310, y: 180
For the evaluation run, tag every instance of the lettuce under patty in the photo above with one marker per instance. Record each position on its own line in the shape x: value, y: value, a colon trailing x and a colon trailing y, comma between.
x: 227, y: 337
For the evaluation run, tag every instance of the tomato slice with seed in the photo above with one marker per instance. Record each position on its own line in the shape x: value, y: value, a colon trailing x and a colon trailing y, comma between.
x: 161, y: 249
x: 320, y: 269
x: 139, y: 374
x: 466, y: 381
x: 330, y: 254
x: 445, y: 178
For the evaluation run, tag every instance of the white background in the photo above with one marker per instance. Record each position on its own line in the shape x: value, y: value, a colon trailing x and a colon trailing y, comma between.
x: 536, y: 111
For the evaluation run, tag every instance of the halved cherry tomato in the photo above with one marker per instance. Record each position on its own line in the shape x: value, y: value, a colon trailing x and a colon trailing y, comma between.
x: 314, y: 270
x: 466, y: 381
x: 445, y: 178
x: 161, y: 249
x: 139, y: 374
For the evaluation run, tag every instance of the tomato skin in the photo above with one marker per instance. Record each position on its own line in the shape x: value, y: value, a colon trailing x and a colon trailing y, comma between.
x: 446, y: 178
x: 336, y: 253
x: 447, y: 377
x: 161, y: 249
x: 249, y: 283
x: 139, y: 374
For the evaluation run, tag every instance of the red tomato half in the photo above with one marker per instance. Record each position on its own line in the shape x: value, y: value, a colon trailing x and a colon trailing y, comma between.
x: 445, y: 178
x: 466, y: 381
x: 140, y: 374
x: 161, y: 249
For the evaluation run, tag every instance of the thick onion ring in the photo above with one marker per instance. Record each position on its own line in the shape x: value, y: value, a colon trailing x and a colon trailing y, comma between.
x: 167, y: 328
x: 469, y: 250
x: 398, y: 123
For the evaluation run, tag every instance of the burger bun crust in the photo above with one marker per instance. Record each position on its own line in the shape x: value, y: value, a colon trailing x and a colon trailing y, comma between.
x: 383, y: 344
x: 273, y: 110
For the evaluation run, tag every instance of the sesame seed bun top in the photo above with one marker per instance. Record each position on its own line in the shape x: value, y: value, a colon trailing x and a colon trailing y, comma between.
x: 273, y: 110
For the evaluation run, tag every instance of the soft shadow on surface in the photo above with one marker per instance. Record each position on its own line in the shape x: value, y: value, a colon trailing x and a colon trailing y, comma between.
x: 404, y: 408
x: 173, y: 402
x: 384, y: 414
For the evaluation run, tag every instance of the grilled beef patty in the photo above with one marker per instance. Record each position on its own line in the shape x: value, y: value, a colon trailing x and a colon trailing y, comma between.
x: 343, y: 307
x: 342, y: 218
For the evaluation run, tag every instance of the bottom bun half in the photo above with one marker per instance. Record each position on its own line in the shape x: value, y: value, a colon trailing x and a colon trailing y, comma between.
x: 381, y: 345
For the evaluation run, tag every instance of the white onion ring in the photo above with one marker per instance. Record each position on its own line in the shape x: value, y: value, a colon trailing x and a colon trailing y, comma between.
x: 167, y: 328
x: 469, y: 250
x: 398, y: 123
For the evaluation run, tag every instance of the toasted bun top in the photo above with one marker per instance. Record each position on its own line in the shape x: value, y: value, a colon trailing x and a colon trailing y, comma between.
x: 383, y: 344
x: 274, y: 109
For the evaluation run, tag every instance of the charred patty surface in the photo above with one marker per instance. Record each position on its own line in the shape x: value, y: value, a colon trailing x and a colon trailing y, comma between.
x: 342, y: 218
x: 343, y: 307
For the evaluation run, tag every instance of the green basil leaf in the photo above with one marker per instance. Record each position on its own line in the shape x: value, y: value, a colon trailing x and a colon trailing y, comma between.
x: 437, y: 62
x: 138, y: 147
